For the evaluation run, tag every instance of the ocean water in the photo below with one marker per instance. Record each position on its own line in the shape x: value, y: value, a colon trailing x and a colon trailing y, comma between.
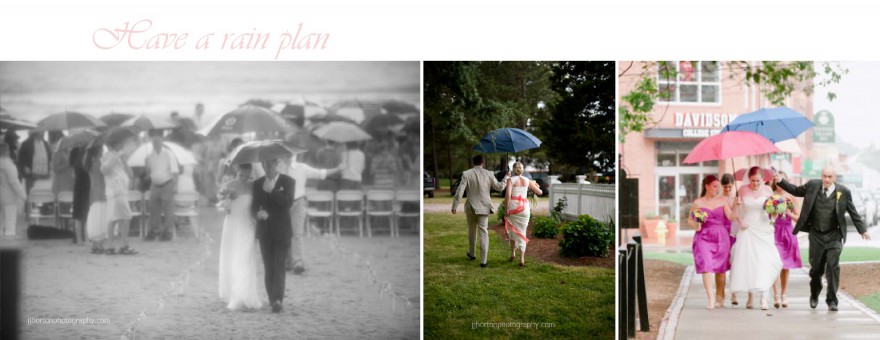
x: 34, y: 90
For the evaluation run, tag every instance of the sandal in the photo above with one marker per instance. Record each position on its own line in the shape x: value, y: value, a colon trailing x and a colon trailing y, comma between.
x: 127, y: 251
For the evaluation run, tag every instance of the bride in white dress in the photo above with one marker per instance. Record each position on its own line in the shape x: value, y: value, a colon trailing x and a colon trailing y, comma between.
x: 518, y: 212
x: 238, y: 253
x: 754, y: 260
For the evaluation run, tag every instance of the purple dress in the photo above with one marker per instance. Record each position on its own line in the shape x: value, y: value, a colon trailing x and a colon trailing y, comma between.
x: 711, y: 245
x: 787, y: 243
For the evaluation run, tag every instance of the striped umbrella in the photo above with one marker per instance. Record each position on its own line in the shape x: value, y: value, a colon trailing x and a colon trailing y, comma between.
x: 69, y: 120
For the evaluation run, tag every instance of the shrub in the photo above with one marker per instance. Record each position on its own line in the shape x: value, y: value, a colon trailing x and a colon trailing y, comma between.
x: 585, y: 237
x: 556, y: 213
x: 545, y: 227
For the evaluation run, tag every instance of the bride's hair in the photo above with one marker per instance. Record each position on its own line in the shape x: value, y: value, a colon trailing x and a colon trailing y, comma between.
x: 517, y: 168
x: 706, y: 181
x: 755, y: 171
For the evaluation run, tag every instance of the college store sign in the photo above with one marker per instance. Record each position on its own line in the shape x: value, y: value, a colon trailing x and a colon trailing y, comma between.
x: 823, y: 132
x: 701, y: 125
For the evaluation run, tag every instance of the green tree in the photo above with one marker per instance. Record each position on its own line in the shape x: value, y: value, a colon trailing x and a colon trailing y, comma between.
x: 777, y: 80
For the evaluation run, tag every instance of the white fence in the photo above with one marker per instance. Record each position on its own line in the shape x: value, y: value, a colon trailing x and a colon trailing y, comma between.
x: 596, y: 200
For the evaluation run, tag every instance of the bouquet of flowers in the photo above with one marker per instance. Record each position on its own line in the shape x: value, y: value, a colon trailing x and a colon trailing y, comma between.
x: 775, y: 206
x: 699, y: 216
x: 226, y: 195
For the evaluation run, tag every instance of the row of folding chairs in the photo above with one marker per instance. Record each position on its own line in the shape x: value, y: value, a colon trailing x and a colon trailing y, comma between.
x: 44, y: 205
x: 363, y: 207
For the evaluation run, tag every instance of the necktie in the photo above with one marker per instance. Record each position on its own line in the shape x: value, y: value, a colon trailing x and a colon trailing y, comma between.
x: 825, y: 192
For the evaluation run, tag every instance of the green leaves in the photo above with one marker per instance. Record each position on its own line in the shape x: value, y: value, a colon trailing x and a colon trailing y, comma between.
x: 586, y: 237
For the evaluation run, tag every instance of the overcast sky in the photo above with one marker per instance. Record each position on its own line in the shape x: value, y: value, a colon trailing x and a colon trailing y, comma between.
x: 857, y: 106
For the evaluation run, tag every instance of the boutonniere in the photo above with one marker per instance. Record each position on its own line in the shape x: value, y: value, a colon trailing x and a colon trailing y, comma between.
x: 838, y: 196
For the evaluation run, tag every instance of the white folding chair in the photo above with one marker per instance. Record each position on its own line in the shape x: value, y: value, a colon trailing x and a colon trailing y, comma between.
x: 136, y: 203
x: 350, y: 204
x: 319, y: 206
x: 406, y: 206
x: 65, y: 208
x: 186, y: 206
x: 41, y: 205
x: 380, y: 203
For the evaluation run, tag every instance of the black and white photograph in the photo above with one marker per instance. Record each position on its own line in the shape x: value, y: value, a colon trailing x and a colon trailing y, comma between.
x: 206, y: 200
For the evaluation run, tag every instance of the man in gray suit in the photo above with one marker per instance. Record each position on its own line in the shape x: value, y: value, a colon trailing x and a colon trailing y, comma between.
x: 822, y: 216
x: 478, y: 182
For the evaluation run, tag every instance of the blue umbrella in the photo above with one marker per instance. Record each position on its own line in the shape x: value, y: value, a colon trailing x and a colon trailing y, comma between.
x: 507, y: 140
x: 776, y: 124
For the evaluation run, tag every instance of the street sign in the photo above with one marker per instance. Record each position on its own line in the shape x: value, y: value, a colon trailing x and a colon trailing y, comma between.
x: 823, y: 132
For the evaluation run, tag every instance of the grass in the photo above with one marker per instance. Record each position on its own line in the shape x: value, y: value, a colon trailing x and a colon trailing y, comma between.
x: 872, y: 301
x: 578, y: 301
x: 849, y: 254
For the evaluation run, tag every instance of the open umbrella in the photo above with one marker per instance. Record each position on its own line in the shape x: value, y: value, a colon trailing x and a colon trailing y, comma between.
x: 259, y: 151
x: 729, y: 145
x: 399, y: 106
x: 413, y: 125
x: 69, y: 120
x: 9, y: 122
x: 112, y: 135
x: 356, y: 109
x: 739, y: 174
x: 382, y: 123
x: 342, y: 132
x: 304, y: 140
x: 776, y: 124
x: 330, y: 117
x: 184, y: 157
x: 145, y: 122
x: 115, y: 119
x: 246, y: 119
x: 507, y: 140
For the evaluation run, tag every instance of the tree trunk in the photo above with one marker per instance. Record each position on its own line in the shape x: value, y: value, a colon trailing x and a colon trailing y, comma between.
x: 436, y: 168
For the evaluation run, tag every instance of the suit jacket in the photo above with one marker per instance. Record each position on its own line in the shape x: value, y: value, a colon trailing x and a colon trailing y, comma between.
x: 810, y: 192
x: 277, y: 203
x: 26, y: 156
x: 478, y: 183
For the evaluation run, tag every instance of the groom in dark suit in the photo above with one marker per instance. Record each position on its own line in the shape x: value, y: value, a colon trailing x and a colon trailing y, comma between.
x: 822, y: 216
x: 273, y: 197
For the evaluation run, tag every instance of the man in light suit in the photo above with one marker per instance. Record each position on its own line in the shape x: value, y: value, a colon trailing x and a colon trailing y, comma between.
x: 822, y: 216
x: 478, y: 182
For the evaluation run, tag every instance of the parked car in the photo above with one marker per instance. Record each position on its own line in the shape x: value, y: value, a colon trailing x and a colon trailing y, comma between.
x: 864, y: 206
x: 876, y: 196
x: 429, y: 184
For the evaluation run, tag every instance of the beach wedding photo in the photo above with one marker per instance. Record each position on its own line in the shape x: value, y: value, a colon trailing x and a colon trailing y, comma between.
x: 519, y: 203
x: 749, y: 196
x: 210, y: 200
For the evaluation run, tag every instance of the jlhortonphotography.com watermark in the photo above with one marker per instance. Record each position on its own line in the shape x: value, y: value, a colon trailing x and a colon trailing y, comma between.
x: 526, y: 325
x: 68, y: 321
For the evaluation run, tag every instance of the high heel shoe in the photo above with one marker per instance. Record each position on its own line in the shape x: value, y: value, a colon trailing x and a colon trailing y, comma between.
x: 784, y: 303
x: 733, y: 299
x: 764, y: 303
x: 749, y: 302
x: 776, y: 302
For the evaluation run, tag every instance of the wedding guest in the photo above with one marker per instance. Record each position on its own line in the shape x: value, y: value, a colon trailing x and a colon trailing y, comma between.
x: 385, y: 167
x: 11, y: 139
x: 80, y: 192
x: 728, y: 191
x: 164, y: 171
x: 34, y: 159
x: 96, y: 218
x: 353, y: 167
x: 12, y: 194
x: 117, y: 177
x: 786, y: 242
x: 711, y: 247
x: 63, y: 173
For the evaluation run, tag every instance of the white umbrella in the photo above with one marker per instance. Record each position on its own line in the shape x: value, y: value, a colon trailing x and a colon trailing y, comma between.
x: 184, y: 156
x: 789, y: 146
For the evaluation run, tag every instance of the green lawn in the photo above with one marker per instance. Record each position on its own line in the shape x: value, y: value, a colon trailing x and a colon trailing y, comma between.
x: 578, y: 301
x: 872, y: 301
x: 849, y: 254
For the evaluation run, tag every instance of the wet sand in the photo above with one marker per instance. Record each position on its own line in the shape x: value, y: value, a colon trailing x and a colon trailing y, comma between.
x: 335, y: 298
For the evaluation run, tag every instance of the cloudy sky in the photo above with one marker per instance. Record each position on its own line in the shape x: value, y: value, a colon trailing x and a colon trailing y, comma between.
x: 856, y: 108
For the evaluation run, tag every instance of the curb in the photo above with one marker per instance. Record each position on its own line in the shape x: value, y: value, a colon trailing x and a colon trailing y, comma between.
x: 670, y: 320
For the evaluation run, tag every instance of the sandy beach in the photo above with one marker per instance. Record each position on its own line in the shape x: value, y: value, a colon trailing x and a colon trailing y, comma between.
x: 335, y: 298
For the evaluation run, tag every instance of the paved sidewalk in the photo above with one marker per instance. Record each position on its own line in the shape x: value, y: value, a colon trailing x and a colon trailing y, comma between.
x: 798, y: 321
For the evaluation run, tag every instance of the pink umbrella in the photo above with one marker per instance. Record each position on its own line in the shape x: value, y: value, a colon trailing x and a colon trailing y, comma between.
x: 739, y: 174
x: 728, y: 145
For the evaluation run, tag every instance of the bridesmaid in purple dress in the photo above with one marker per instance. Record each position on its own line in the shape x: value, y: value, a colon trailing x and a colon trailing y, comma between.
x: 787, y: 244
x: 711, y: 245
x: 728, y: 191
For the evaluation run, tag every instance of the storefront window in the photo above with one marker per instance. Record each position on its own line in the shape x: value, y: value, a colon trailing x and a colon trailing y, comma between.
x: 689, y: 81
x: 666, y: 159
x: 666, y: 203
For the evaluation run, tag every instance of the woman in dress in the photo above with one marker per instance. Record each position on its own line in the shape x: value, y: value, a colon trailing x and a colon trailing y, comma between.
x: 96, y: 218
x: 80, y: 191
x: 238, y: 254
x: 12, y: 194
x: 728, y: 191
x: 786, y: 243
x: 755, y: 262
x: 711, y: 246
x: 117, y: 177
x: 518, y: 212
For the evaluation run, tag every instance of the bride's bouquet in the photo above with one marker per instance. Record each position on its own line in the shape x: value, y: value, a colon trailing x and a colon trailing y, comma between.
x: 774, y: 206
x: 226, y: 195
x: 699, y: 216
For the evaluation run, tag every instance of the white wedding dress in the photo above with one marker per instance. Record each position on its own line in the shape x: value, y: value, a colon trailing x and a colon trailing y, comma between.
x: 754, y: 260
x: 520, y: 213
x: 238, y: 257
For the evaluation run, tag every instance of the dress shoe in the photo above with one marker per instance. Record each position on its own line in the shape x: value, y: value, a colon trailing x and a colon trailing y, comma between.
x: 483, y: 265
x: 471, y: 257
x: 276, y: 307
x: 832, y: 308
x: 814, y: 301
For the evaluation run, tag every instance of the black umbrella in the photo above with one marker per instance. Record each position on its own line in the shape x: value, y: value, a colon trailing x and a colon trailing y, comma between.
x: 115, y: 119
x: 382, y: 123
x: 68, y: 120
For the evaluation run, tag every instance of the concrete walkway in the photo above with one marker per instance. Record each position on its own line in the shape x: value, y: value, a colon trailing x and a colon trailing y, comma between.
x: 689, y: 318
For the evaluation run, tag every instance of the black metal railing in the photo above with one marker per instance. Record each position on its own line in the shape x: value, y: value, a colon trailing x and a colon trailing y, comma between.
x: 632, y: 298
